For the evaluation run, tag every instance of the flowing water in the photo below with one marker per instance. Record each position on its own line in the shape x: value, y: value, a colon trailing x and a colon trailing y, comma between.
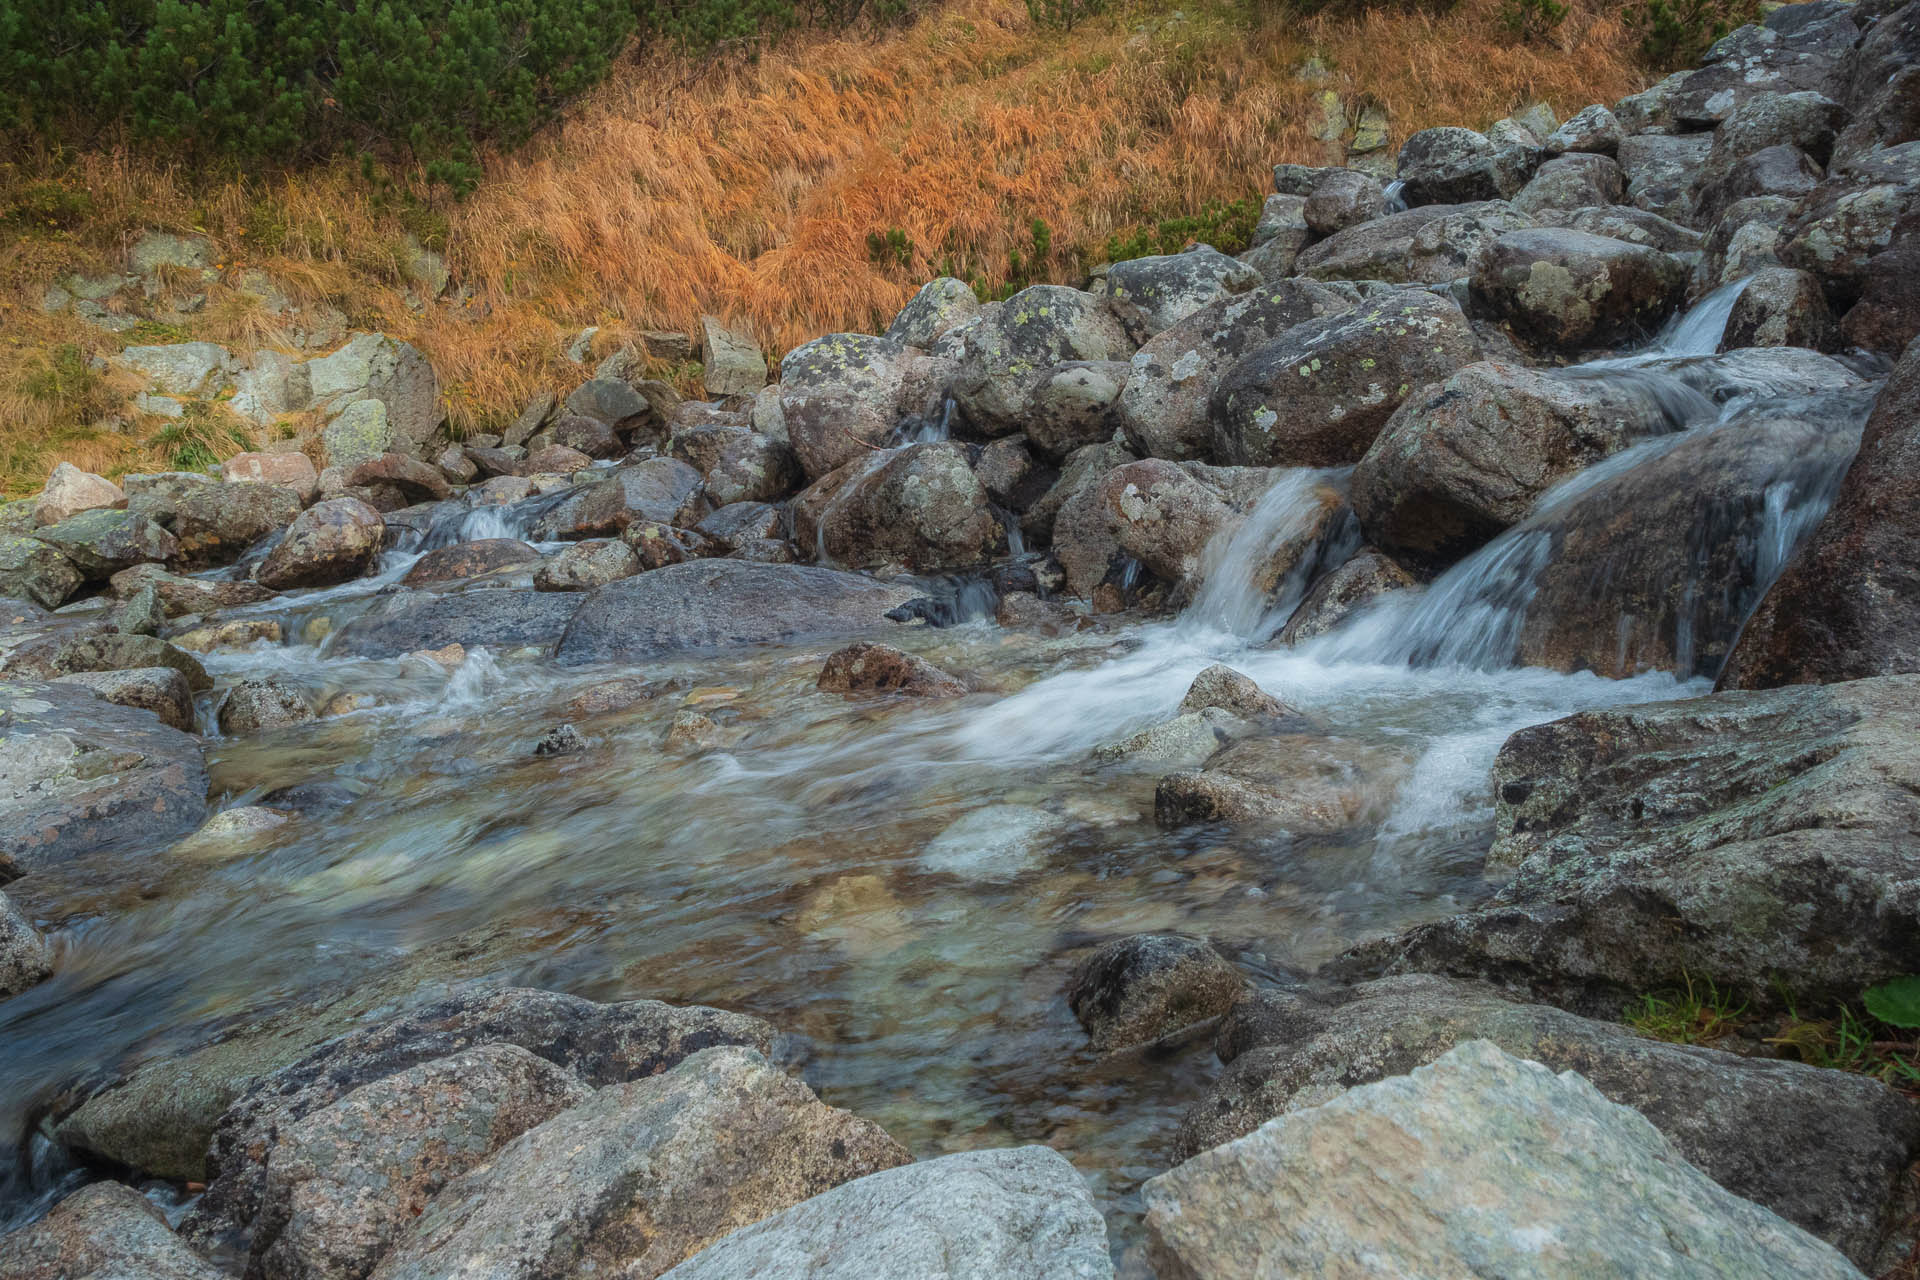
x: 798, y: 872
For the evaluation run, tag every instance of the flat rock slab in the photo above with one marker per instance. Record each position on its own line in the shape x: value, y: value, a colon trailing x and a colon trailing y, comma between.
x: 1018, y: 1214
x: 713, y: 605
x: 79, y: 775
x: 1479, y: 1164
x: 493, y: 618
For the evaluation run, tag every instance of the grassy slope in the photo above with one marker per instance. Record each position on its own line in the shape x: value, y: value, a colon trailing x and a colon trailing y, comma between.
x: 750, y: 188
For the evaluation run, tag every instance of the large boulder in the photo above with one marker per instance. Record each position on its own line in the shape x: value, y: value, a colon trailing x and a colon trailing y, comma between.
x: 1660, y: 171
x: 842, y: 396
x: 1343, y: 198
x: 665, y: 490
x: 344, y: 1181
x: 940, y: 305
x: 1807, y: 122
x: 1579, y: 181
x: 611, y: 404
x: 643, y: 1175
x: 1823, y: 1149
x: 80, y: 775
x: 415, y: 480
x: 1163, y: 406
x: 1756, y: 840
x: 25, y: 958
x: 1780, y: 307
x: 1463, y: 460
x: 257, y: 706
x: 1442, y: 1172
x: 1848, y: 605
x: 215, y: 524
x: 1847, y: 221
x: 918, y: 509
x: 329, y: 542
x: 415, y: 620
x: 289, y: 470
x: 61, y: 653
x: 1010, y: 345
x: 1595, y: 130
x: 1623, y: 222
x: 1154, y: 294
x: 1075, y: 404
x: 1319, y: 393
x: 1763, y: 61
x: 1458, y: 166
x: 1887, y: 316
x: 179, y: 594
x: 723, y: 604
x: 104, y: 1231
x: 1279, y: 236
x: 103, y: 541
x: 1567, y: 290
x: 69, y: 491
x: 1019, y: 1213
x: 372, y: 366
x: 751, y: 467
x: 32, y: 570
x: 1428, y: 245
x: 586, y: 565
x: 162, y: 690
x: 1786, y: 173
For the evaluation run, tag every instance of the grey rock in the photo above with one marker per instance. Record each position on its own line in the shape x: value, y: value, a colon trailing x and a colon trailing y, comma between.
x: 468, y: 560
x: 372, y: 366
x: 1566, y: 290
x: 1780, y: 307
x: 80, y: 775
x: 739, y: 522
x: 1786, y: 172
x: 1838, y: 229
x: 1013, y: 1214
x: 612, y: 402
x: 216, y: 524
x: 753, y: 468
x: 721, y: 605
x: 1593, y: 130
x: 1579, y: 181
x: 1011, y: 475
x: 1301, y: 783
x: 87, y: 649
x: 1622, y: 222
x: 1340, y: 594
x: 587, y: 436
x: 1080, y: 476
x: 1154, y: 294
x: 841, y: 396
x: 1341, y: 199
x: 32, y: 570
x: 734, y: 363
x: 1010, y: 345
x: 1229, y: 690
x: 25, y: 958
x: 1136, y: 990
x: 1442, y: 1172
x: 1458, y: 166
x: 501, y: 619
x: 329, y: 542
x: 358, y: 433
x: 256, y: 706
x: 1428, y: 245
x: 866, y: 667
x: 937, y: 308
x: 1660, y: 171
x: 919, y: 509
x: 1075, y: 405
x: 660, y: 489
x: 161, y: 690
x: 105, y: 1231
x: 642, y: 1176
x: 993, y: 843
x: 586, y: 565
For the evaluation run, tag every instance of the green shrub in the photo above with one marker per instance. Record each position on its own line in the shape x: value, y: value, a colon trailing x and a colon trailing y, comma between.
x: 1063, y: 14
x: 1676, y: 33
x: 1227, y: 225
x: 1532, y: 20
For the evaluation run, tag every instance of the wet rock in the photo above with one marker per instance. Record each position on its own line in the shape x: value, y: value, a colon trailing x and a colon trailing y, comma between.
x: 1424, y: 1157
x: 613, y: 696
x: 469, y: 560
x: 1887, y: 316
x: 1163, y: 405
x: 586, y: 565
x: 1155, y: 293
x: 660, y: 489
x: 1848, y: 605
x: 1660, y: 171
x: 739, y: 522
x: 1006, y: 350
x: 1566, y: 290
x: 1186, y: 741
x: 998, y: 842
x: 1074, y: 406
x: 80, y: 775
x: 256, y: 706
x: 416, y: 480
x: 161, y: 690
x: 1823, y: 1149
x: 563, y: 740
x: 293, y: 471
x: 878, y: 668
x: 1163, y: 516
x: 1578, y: 181
x: 654, y: 545
x: 25, y: 958
x: 1011, y: 475
x: 62, y: 654
x: 1298, y: 783
x: 721, y: 605
x: 216, y: 524
x: 1076, y: 488
x: 1592, y: 130
x: 32, y: 570
x: 500, y: 491
x: 180, y: 594
x: 241, y: 824
x: 102, y: 542
x: 841, y: 396
x: 919, y: 509
x: 456, y: 466
x: 753, y: 468
x: 344, y: 1182
x: 1342, y: 593
x: 1753, y: 839
x: 1229, y: 690
x: 1318, y: 394
x: 644, y: 1174
x: 691, y: 733
x: 1465, y: 459
x: 554, y: 460
x: 734, y: 363
x: 1017, y: 1214
x: 413, y: 621
x: 598, y: 411
x: 1429, y: 245
x: 1343, y: 198
x: 373, y: 367
x: 601, y: 1044
x: 935, y: 310
x: 1780, y: 307
x: 104, y: 1231
x: 329, y: 542
x: 1136, y: 990
x: 69, y: 491
x: 1842, y: 227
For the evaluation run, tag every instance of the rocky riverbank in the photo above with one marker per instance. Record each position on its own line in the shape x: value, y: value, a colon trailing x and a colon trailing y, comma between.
x: 1164, y: 761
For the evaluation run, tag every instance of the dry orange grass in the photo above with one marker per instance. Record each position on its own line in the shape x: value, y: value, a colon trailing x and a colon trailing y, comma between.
x: 750, y: 187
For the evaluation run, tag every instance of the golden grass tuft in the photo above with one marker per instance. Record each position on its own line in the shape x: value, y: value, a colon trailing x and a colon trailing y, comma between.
x: 749, y: 187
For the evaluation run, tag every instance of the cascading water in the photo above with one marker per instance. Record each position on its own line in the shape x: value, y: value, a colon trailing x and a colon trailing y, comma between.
x: 1238, y: 595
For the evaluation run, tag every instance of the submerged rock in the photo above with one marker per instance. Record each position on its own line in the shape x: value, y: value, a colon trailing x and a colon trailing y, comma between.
x: 492, y: 619
x: 1229, y: 690
x: 1012, y: 1214
x: 878, y: 668
x: 1136, y: 990
x: 997, y: 842
x: 1442, y: 1172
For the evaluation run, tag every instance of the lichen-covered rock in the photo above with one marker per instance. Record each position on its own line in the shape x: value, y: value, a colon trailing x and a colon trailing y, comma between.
x: 1229, y: 690
x: 374, y: 367
x: 1780, y: 307
x: 469, y: 560
x: 920, y: 509
x: 1428, y: 245
x: 643, y: 1175
x: 256, y: 706
x: 880, y: 668
x: 161, y: 690
x: 1341, y: 199
x: 345, y: 1181
x: 1660, y: 171
x: 1154, y: 294
x: 939, y: 306
x: 1807, y: 122
x: 1319, y: 393
x: 1887, y: 316
x: 1593, y: 130
x: 1849, y: 605
x: 1756, y: 840
x: 32, y: 570
x: 25, y: 958
x: 358, y: 432
x: 1847, y: 221
x: 586, y: 565
x: 1278, y: 237
x: 329, y: 542
x: 1566, y: 290
x: 1623, y: 222
x: 734, y: 362
x: 1136, y: 990
x: 1163, y: 516
x: 1163, y: 406
x: 69, y: 491
x: 841, y: 397
x: 1458, y: 166
x: 1010, y: 345
x: 1787, y: 173
x: 1442, y: 1172
x: 662, y: 489
x: 753, y: 468
x: 103, y: 541
x: 1823, y: 1149
x: 216, y: 524
x: 81, y: 775
x: 1469, y: 457
x: 1075, y: 404
x: 1578, y: 181
x: 103, y: 1231
x: 1011, y: 1214
x: 654, y: 544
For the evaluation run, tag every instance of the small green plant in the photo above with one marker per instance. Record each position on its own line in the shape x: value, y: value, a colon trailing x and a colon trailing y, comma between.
x: 156, y: 333
x: 1689, y: 1015
x: 890, y: 248
x: 200, y: 437
x: 1023, y: 269
x: 1533, y: 21
x: 1896, y: 1003
x: 63, y: 378
x: 1676, y: 33
x: 1227, y: 225
x: 1063, y: 15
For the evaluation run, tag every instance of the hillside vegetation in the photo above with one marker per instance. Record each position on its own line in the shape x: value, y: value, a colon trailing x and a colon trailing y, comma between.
x: 808, y: 189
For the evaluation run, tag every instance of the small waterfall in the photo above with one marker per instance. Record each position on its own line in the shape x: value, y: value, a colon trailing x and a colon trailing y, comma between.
x: 919, y: 430
x: 1238, y: 594
x: 1396, y: 201
x: 1697, y: 331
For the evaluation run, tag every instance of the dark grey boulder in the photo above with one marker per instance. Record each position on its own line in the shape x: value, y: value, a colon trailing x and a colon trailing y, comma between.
x: 1783, y: 171
x: 1566, y: 290
x: 1342, y: 198
x: 1579, y: 181
x: 661, y: 489
x: 1153, y: 294
x: 1136, y: 990
x: 1780, y: 307
x: 494, y: 619
x: 1660, y: 171
x: 1428, y: 245
x: 611, y: 402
